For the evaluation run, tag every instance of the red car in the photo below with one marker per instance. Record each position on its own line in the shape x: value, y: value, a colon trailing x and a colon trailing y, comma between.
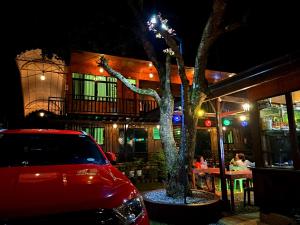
x: 63, y: 177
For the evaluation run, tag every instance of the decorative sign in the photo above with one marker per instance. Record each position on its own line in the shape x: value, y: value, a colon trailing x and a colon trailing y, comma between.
x: 156, y: 135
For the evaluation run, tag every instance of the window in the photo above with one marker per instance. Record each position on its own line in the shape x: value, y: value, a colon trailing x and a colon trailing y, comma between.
x: 296, y: 107
x: 275, y: 132
x: 97, y: 133
x: 156, y: 135
x: 48, y: 149
x: 228, y: 137
x: 90, y: 87
x: 136, y: 144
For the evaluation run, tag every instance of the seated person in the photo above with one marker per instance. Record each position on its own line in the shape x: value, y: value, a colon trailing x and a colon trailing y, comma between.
x: 200, y: 163
x: 197, y: 163
x: 238, y: 163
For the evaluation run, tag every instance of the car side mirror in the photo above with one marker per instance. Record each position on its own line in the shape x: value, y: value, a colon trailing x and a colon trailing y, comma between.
x: 111, y: 157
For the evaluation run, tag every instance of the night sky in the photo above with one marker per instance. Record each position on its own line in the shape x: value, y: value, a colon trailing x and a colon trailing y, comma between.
x: 270, y: 30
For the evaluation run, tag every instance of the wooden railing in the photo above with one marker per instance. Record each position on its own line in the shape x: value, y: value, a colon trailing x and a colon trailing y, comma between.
x: 83, y: 104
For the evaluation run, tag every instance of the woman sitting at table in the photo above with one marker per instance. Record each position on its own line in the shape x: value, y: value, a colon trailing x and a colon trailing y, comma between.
x: 238, y: 163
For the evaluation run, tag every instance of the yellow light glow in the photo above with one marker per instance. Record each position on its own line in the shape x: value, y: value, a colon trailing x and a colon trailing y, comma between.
x: 157, y: 126
x: 151, y: 75
x: 200, y: 113
x: 150, y: 64
x: 43, y: 77
x: 115, y: 125
x: 243, y: 118
x: 101, y: 70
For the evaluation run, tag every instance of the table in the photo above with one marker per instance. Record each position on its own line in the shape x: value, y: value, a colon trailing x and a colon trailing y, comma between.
x: 230, y: 175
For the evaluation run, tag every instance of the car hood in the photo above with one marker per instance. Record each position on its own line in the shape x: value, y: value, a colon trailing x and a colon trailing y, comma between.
x: 54, y: 189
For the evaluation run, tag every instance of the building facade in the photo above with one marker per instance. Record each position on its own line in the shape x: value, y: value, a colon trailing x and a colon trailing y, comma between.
x: 82, y: 96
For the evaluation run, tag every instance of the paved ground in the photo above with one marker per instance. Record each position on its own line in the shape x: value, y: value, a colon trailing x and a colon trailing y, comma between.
x: 248, y: 215
x: 242, y: 215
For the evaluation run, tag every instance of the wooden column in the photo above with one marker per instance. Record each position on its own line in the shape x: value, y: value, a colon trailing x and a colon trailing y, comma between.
x: 292, y: 128
x: 221, y: 151
x: 256, y: 136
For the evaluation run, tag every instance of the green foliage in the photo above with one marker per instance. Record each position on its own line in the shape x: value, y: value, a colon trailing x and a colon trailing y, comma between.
x: 158, y: 161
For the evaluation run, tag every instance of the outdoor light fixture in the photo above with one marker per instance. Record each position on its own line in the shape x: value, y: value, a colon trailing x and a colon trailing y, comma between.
x: 244, y: 123
x: 246, y: 106
x: 41, y: 114
x: 151, y: 75
x: 243, y: 118
x: 43, y: 77
x: 101, y: 70
x: 150, y: 64
x: 200, y: 112
x: 207, y: 123
x: 115, y: 125
x: 164, y: 27
x: 176, y: 118
x: 226, y: 122
x: 224, y: 128
x: 153, y: 19
x: 157, y: 126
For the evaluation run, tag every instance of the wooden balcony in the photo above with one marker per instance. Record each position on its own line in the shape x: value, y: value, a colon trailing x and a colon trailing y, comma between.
x: 82, y: 104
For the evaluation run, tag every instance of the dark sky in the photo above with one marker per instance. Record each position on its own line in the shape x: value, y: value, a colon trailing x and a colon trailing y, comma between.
x: 270, y: 30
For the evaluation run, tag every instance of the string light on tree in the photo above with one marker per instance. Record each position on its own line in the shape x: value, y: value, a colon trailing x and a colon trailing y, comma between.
x: 154, y: 23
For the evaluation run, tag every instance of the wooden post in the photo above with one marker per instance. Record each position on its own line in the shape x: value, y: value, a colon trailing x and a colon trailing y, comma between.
x: 221, y: 152
x: 293, y: 134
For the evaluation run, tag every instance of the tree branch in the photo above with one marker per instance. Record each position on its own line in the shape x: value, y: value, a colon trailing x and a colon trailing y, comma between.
x: 148, y: 46
x: 103, y: 62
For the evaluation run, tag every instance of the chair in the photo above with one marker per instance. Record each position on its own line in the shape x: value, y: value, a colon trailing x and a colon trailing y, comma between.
x: 248, y: 187
x: 240, y: 183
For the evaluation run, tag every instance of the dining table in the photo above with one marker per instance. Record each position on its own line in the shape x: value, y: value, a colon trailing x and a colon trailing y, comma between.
x: 229, y: 175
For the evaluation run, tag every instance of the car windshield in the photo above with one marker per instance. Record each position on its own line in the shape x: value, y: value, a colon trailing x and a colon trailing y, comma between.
x: 48, y: 149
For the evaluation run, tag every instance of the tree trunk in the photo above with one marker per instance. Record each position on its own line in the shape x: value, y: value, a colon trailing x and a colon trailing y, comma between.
x: 174, y: 188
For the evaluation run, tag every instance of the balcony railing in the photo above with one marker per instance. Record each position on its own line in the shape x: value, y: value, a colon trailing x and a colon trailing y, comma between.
x: 83, y: 104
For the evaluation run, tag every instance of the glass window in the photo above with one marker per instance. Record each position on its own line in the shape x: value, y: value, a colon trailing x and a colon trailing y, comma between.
x: 90, y: 87
x: 275, y: 134
x: 296, y: 106
x: 48, y: 149
x: 156, y: 135
x: 228, y: 137
x: 97, y: 133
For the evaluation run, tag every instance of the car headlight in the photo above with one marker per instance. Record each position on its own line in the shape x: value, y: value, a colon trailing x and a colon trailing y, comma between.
x: 130, y: 210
